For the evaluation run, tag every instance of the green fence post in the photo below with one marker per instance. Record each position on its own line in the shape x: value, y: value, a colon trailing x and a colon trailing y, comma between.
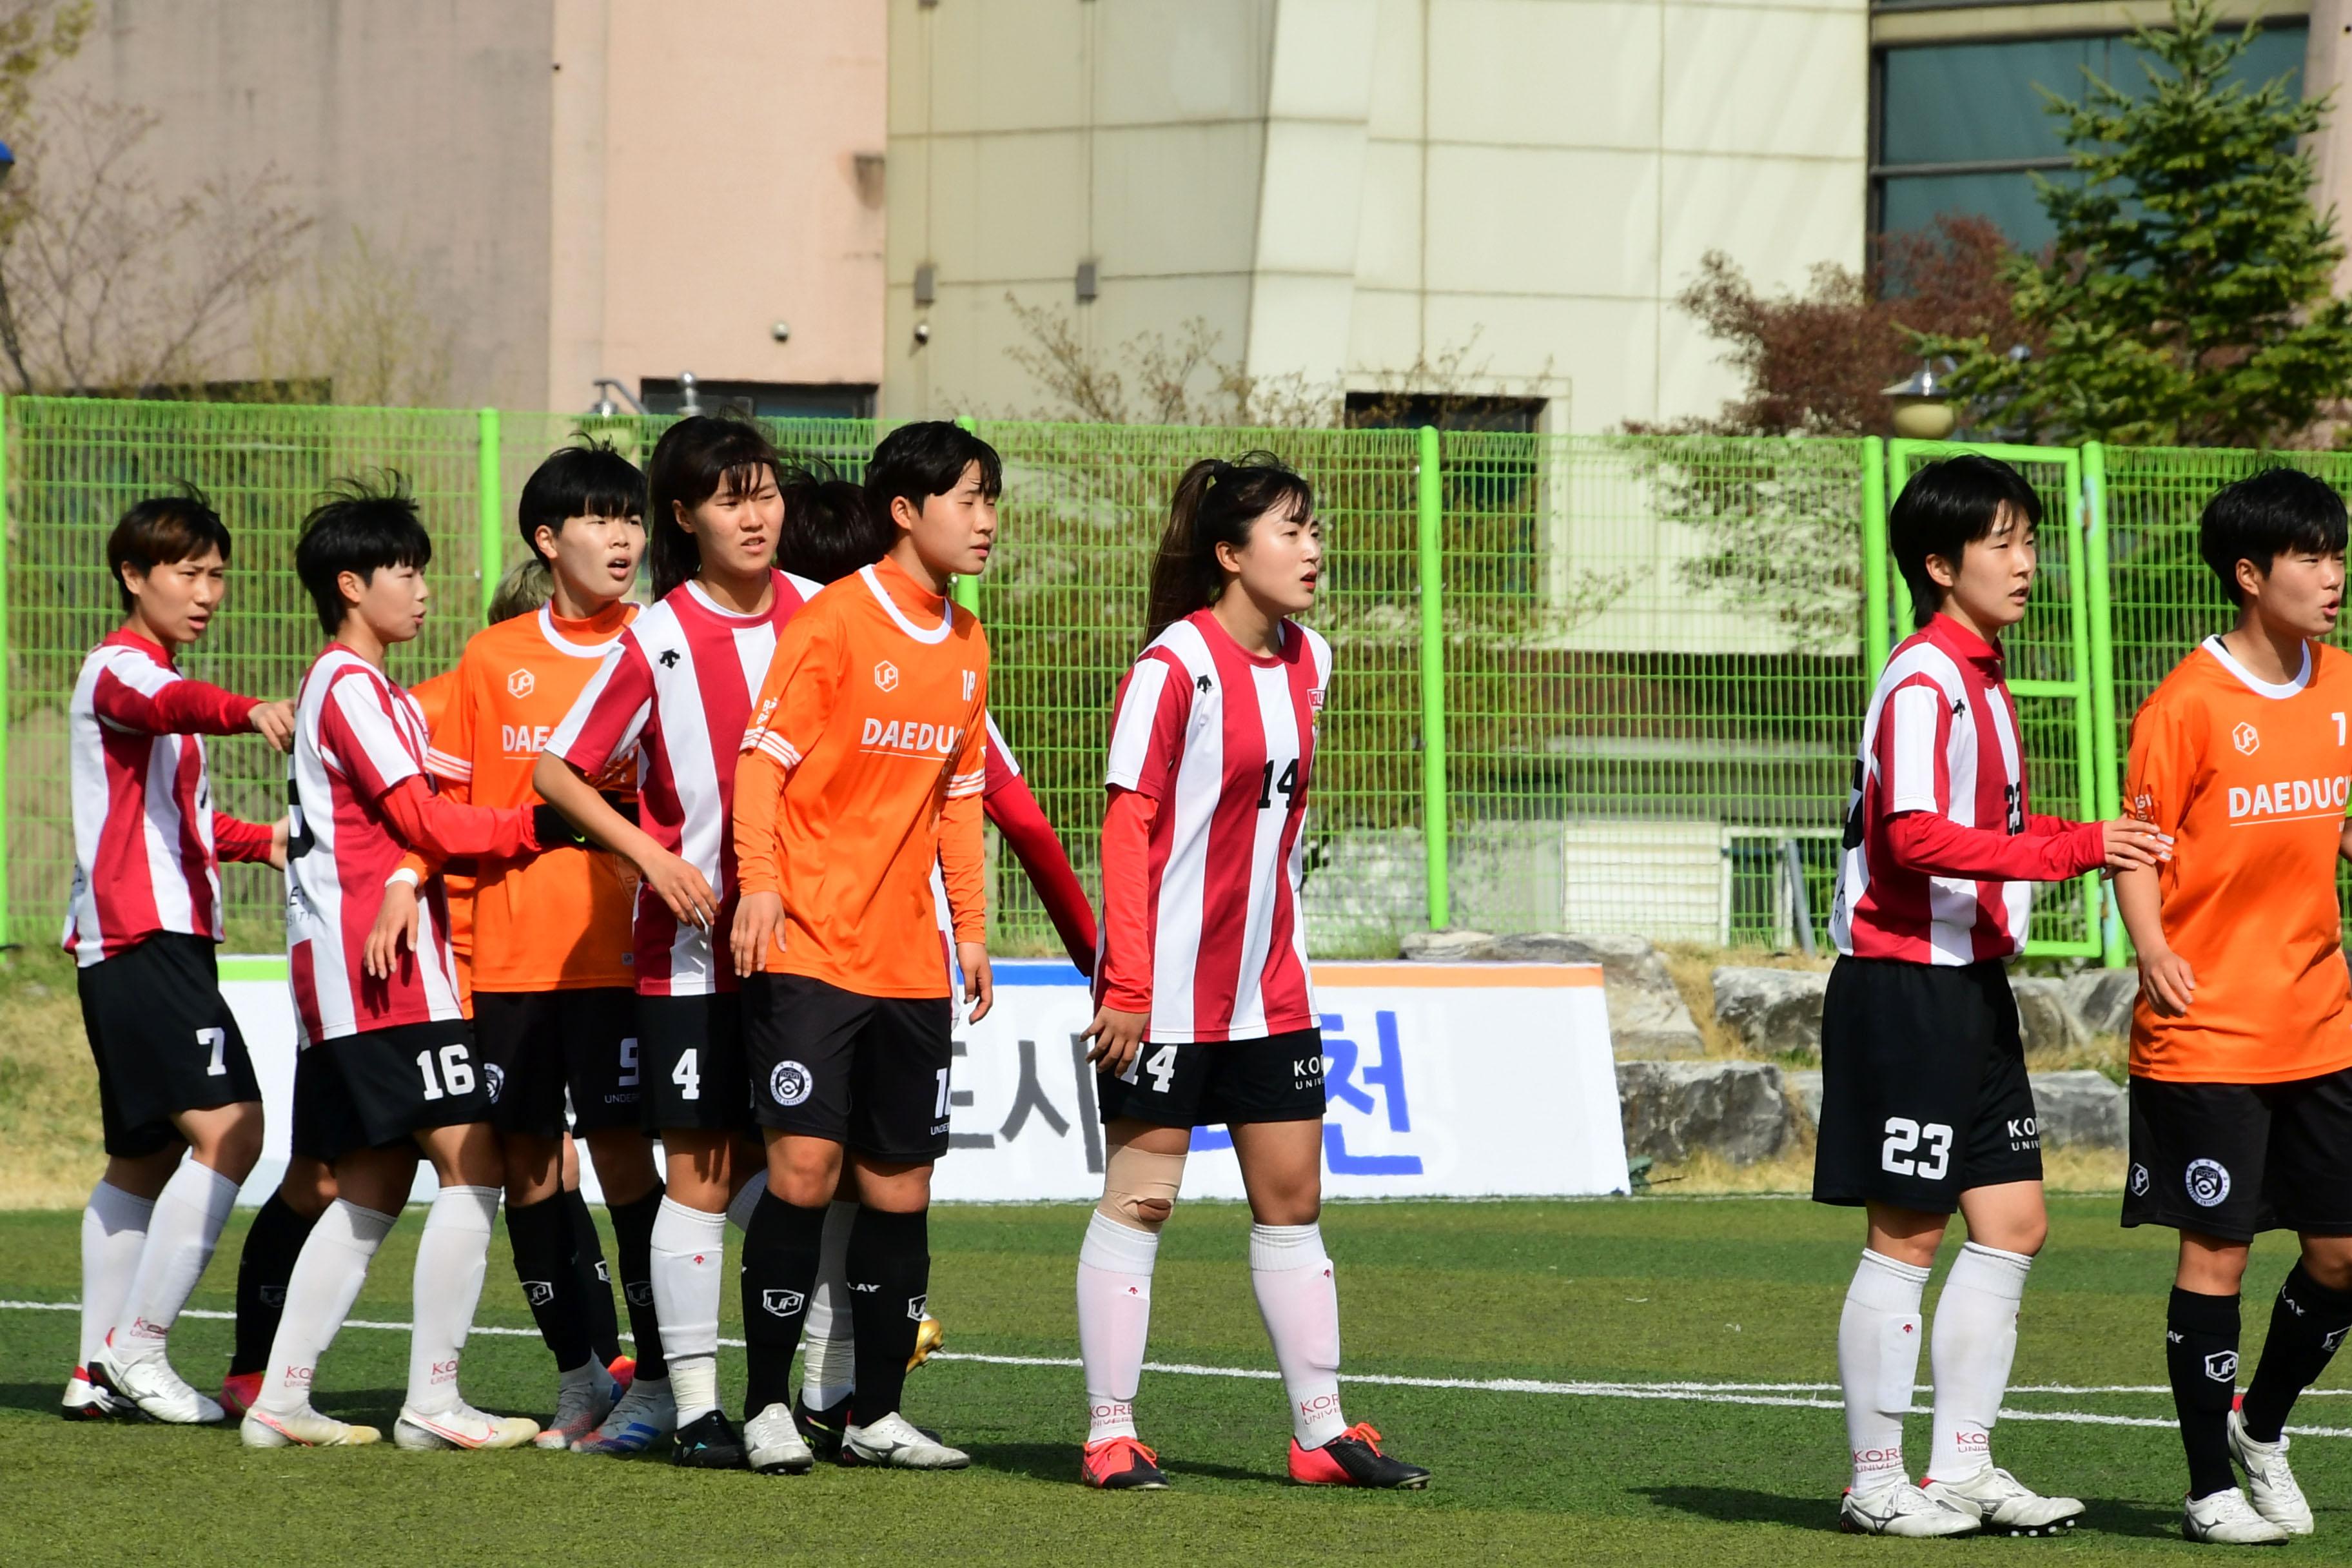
x: 1878, y: 614
x: 2100, y: 615
x: 490, y: 543
x: 7, y: 719
x: 1432, y: 497
x: 966, y: 590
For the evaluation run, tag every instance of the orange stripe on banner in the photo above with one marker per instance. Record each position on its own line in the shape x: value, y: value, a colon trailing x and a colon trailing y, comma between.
x: 1463, y: 976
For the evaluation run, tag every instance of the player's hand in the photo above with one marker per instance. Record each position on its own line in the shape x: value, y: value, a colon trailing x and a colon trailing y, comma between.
x: 759, y: 919
x: 2168, y: 982
x: 279, y: 831
x: 2134, y: 845
x: 396, y: 927
x: 979, y: 979
x: 1117, y: 1038
x: 681, y: 886
x: 274, y: 723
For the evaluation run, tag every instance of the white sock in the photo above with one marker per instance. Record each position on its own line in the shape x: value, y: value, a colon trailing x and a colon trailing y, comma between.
x: 451, y: 1258
x: 1878, y: 1364
x: 828, y: 1346
x: 181, y: 1235
x: 1114, y: 1320
x: 1300, y: 1299
x: 113, y: 1233
x: 1975, y: 1343
x: 319, y: 1295
x: 739, y: 1206
x: 689, y: 1276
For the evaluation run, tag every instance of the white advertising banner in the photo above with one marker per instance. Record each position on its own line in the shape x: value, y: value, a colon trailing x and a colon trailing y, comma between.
x: 1443, y: 1081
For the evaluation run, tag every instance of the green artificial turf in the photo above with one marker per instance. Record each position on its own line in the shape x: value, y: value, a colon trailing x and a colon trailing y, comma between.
x: 1654, y: 1290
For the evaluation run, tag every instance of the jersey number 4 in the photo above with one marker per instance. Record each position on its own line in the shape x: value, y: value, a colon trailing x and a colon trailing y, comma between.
x: 1268, y: 786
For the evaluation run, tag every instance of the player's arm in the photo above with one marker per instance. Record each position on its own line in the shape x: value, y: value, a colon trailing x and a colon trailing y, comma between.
x: 795, y: 704
x: 235, y: 840
x: 355, y: 728
x: 2163, y: 761
x: 963, y: 869
x: 145, y: 699
x: 1023, y: 825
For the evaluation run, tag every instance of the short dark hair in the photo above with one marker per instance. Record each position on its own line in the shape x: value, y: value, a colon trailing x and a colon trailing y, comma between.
x: 590, y: 480
x: 1947, y: 506
x: 366, y: 524
x: 917, y: 461
x: 2262, y: 516
x: 695, y: 460
x: 829, y: 531
x: 161, y: 531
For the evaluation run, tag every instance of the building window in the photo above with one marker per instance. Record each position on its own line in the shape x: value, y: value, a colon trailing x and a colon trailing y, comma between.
x: 762, y: 399
x: 1410, y: 410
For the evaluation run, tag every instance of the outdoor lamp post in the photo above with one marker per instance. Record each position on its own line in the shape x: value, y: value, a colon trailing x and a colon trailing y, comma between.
x: 1923, y: 411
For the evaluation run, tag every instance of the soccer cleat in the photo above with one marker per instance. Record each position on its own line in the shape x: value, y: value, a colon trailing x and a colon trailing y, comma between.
x: 241, y: 1392
x: 580, y: 1409
x: 2227, y: 1519
x: 929, y: 1336
x: 645, y: 1415
x: 773, y: 1446
x: 1901, y: 1509
x: 1121, y: 1463
x: 303, y: 1428
x: 1353, y: 1459
x: 460, y: 1426
x: 2270, y: 1485
x: 897, y: 1442
x: 88, y: 1400
x: 624, y: 1369
x: 707, y: 1443
x: 822, y: 1428
x: 160, y: 1393
x: 2004, y: 1505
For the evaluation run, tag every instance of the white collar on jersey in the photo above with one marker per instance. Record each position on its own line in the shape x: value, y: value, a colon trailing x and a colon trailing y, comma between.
x: 921, y: 634
x: 563, y: 643
x: 2253, y: 682
x: 702, y: 597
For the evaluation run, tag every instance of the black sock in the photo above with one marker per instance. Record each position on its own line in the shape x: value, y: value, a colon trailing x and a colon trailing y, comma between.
x: 595, y: 1280
x: 2200, y: 1352
x: 889, y: 1285
x: 542, y: 1237
x: 779, y: 1263
x: 268, y: 1262
x: 633, y: 1241
x: 2307, y: 1322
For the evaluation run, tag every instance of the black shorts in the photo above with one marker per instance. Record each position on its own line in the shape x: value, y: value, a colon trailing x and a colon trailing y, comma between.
x: 2231, y: 1159
x: 868, y: 1072
x: 537, y: 1044
x: 1221, y: 1083
x: 1924, y: 1092
x: 163, y: 1039
x: 690, y: 1063
x: 374, y: 1090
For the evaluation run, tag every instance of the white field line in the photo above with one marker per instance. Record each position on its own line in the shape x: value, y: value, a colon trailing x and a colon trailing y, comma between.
x: 1783, y: 1395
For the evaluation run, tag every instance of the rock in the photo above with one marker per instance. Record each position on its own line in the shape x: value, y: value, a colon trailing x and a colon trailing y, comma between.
x: 2080, y: 1110
x: 2102, y: 999
x: 1771, y: 1010
x: 2043, y: 1018
x: 1805, y: 1088
x: 1447, y: 946
x: 1647, y: 1018
x: 1675, y: 1109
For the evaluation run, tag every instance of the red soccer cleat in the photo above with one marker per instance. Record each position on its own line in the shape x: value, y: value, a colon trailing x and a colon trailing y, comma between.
x: 1353, y: 1459
x: 239, y: 1392
x: 1121, y: 1463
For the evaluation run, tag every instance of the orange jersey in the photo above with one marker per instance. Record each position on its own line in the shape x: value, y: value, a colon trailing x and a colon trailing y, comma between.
x: 438, y: 696
x: 863, y: 766
x: 2251, y: 779
x: 557, y: 921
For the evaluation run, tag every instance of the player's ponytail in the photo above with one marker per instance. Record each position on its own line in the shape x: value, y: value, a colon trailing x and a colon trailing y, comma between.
x: 829, y: 530
x: 1217, y: 502
x: 695, y: 460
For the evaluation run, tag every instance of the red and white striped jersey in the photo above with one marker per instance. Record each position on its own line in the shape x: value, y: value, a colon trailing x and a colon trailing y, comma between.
x: 1223, y: 739
x: 677, y: 690
x: 356, y: 735
x: 146, y: 838
x: 1940, y: 736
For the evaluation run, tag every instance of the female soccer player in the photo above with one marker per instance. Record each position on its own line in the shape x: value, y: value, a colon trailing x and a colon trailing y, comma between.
x: 676, y: 693
x: 1206, y: 1012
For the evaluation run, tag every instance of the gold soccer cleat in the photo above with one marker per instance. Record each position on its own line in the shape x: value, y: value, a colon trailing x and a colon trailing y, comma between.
x: 929, y: 1337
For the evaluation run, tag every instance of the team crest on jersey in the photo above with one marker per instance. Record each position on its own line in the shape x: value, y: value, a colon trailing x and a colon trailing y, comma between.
x: 780, y: 1303
x: 2139, y: 1181
x: 790, y: 1084
x: 521, y: 683
x: 885, y: 676
x: 2247, y: 739
x: 2208, y: 1183
x: 494, y: 1076
x: 1314, y: 697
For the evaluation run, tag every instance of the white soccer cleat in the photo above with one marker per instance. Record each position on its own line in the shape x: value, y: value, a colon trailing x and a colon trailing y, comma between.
x: 1901, y: 1508
x: 460, y: 1426
x: 2005, y: 1505
x: 87, y: 1401
x: 580, y: 1408
x: 2227, y: 1519
x: 2269, y: 1484
x: 646, y: 1415
x: 894, y: 1440
x: 160, y: 1393
x: 303, y: 1428
x: 773, y: 1446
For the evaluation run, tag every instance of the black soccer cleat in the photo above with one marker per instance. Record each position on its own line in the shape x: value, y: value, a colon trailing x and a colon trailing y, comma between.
x: 821, y: 1429
x: 707, y: 1443
x: 1121, y: 1465
x: 1354, y: 1458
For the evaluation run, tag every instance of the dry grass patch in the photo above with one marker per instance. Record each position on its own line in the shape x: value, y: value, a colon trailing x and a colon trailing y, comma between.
x: 50, y: 1147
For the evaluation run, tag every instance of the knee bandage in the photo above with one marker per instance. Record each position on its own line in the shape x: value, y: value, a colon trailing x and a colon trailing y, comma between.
x: 1139, y: 1187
